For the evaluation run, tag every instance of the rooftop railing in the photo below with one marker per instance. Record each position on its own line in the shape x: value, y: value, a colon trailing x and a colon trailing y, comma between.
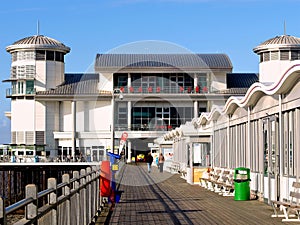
x: 163, y: 90
x: 10, y: 92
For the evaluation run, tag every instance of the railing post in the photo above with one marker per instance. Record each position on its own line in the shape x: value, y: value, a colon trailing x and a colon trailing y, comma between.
x: 52, y: 199
x: 89, y: 195
x: 31, y: 209
x: 83, y: 196
x: 2, y: 212
x: 66, y: 192
x: 94, y: 192
x: 76, y: 202
x: 99, y: 199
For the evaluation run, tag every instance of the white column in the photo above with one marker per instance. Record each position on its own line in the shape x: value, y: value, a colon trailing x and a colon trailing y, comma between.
x: 73, y: 105
x: 129, y: 105
x: 86, y: 116
x: 196, y: 108
x: 281, y: 148
x: 195, y: 80
x: 129, y: 80
x: 129, y: 151
x: 112, y: 126
x: 228, y: 163
x: 248, y: 162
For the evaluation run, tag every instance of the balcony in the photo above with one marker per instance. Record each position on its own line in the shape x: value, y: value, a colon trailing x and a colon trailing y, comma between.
x: 12, y: 92
x: 164, y: 90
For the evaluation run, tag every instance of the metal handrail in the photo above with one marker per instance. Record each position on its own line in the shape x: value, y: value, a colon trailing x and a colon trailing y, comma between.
x: 18, y: 205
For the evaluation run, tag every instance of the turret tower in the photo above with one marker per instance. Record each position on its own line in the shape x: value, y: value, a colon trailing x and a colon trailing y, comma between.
x: 37, y: 65
x: 277, y: 55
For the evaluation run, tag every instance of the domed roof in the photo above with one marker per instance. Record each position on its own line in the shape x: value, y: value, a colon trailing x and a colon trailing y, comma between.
x: 283, y: 41
x: 38, y: 42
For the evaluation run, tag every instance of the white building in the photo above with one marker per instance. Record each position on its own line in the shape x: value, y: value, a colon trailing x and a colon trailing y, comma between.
x: 261, y: 129
x: 145, y: 95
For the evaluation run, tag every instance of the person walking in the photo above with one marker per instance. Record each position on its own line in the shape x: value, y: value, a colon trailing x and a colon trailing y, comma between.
x: 161, y: 160
x: 149, y: 161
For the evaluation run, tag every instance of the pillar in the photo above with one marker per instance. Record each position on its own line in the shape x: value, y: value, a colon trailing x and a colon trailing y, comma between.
x: 195, y: 80
x: 196, y: 109
x: 129, y: 151
x: 129, y: 105
x: 73, y: 105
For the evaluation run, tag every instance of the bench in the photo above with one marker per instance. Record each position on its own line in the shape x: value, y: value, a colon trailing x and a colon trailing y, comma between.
x: 212, y: 177
x: 289, y: 206
x: 174, y: 167
x: 221, y: 182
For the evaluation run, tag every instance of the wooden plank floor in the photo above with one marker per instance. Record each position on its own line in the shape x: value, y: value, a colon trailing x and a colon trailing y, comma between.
x: 164, y: 198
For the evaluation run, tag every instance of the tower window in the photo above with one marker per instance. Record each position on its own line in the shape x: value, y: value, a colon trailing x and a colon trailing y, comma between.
x: 14, y: 56
x: 284, y: 55
x: 266, y: 56
x: 295, y: 55
x: 40, y: 55
x: 274, y: 55
x: 50, y: 55
x: 59, y: 56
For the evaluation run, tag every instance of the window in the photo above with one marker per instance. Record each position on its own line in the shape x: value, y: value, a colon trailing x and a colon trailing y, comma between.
x: 122, y: 117
x: 202, y: 83
x: 120, y: 80
x: 40, y: 55
x: 20, y: 87
x: 14, y: 56
x: 24, y: 71
x: 50, y: 55
x: 274, y: 55
x: 29, y: 87
x: 13, y: 72
x: 266, y: 56
x: 59, y: 57
x: 295, y: 55
x: 284, y: 55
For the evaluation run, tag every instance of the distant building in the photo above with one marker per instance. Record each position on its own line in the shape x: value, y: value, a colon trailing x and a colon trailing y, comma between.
x: 56, y: 114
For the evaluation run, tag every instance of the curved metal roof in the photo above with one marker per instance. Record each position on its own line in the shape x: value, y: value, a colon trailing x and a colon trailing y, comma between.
x: 255, y: 92
x: 207, y: 61
x: 38, y: 42
x: 283, y: 41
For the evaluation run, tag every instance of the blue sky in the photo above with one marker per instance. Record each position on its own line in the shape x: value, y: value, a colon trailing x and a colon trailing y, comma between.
x: 97, y: 26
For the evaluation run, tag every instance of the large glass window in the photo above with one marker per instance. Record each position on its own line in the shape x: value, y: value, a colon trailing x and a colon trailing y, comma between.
x: 202, y: 83
x: 29, y: 87
x: 122, y: 118
x: 164, y: 82
x: 160, y: 118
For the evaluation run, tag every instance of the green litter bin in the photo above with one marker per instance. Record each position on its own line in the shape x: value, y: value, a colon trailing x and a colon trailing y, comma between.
x: 242, y: 184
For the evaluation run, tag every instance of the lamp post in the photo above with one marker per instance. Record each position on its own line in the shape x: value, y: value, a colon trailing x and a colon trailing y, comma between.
x: 119, y: 92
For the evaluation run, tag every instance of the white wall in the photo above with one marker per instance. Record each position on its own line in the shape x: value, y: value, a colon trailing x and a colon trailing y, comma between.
x: 55, y: 73
x: 52, y: 123
x: 100, y: 116
x: 105, y: 81
x: 22, y: 115
x: 272, y: 71
x: 218, y: 80
x: 40, y: 113
x: 66, y: 114
x: 40, y: 83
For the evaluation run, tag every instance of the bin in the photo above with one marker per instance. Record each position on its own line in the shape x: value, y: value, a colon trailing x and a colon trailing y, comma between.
x: 242, y: 184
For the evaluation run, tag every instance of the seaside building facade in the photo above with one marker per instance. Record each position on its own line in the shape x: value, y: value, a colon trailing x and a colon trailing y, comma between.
x: 259, y: 130
x: 142, y: 96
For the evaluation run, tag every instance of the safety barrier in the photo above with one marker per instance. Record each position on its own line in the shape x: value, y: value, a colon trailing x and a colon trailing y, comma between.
x: 75, y: 201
